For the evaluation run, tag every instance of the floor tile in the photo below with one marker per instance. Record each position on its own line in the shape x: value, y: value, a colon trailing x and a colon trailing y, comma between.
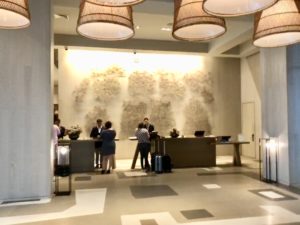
x: 273, y: 195
x: 83, y: 178
x: 149, y: 191
x: 148, y: 222
x: 196, y: 214
x: 211, y: 186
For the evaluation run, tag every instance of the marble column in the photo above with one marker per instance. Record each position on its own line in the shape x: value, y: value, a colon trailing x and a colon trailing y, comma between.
x: 293, y: 78
x: 274, y: 105
x: 25, y: 107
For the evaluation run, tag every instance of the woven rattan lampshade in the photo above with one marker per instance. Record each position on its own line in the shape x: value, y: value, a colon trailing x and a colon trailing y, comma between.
x: 14, y: 14
x: 278, y: 25
x: 118, y: 2
x: 193, y: 24
x: 230, y: 8
x: 104, y: 22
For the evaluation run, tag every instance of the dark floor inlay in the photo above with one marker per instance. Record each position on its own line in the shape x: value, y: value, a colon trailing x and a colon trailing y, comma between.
x: 148, y: 222
x: 196, y: 214
x: 19, y: 201
x: 149, y: 191
x: 83, y: 178
x: 272, y: 194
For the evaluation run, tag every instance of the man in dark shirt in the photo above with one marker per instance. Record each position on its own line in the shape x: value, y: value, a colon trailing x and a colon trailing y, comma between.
x: 95, y: 134
x: 148, y: 125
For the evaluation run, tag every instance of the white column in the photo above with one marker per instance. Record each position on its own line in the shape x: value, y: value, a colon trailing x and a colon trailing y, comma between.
x: 293, y: 78
x: 275, y: 105
x: 25, y: 107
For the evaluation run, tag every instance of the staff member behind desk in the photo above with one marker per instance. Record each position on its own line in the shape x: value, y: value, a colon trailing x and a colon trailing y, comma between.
x: 144, y: 145
x: 108, y: 148
x: 95, y: 134
x: 148, y: 125
x: 153, y: 135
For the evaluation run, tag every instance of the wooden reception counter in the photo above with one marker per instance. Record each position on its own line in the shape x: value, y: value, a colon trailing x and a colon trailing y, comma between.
x: 190, y: 152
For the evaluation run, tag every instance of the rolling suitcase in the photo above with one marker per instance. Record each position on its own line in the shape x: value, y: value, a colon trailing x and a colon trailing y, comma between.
x: 158, y: 164
x: 166, y: 160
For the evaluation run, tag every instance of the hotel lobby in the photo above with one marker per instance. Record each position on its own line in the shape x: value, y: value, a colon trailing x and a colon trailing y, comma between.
x: 181, y: 65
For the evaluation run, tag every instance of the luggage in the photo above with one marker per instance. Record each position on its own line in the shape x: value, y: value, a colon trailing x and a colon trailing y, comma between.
x: 166, y: 161
x: 158, y: 164
x: 153, y: 161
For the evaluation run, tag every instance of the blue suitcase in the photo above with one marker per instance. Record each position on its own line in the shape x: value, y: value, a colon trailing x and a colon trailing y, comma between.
x: 158, y: 164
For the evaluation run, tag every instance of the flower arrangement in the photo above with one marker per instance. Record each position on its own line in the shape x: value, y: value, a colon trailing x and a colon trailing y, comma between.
x: 74, y: 132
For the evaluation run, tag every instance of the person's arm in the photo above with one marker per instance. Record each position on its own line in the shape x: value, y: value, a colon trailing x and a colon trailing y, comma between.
x: 92, y: 135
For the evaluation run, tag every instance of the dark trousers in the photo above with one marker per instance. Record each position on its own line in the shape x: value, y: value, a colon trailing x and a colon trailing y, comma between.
x: 144, y: 149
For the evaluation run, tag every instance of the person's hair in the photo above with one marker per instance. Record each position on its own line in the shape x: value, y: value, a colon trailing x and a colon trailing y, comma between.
x: 140, y: 125
x: 99, y: 121
x: 57, y: 121
x: 146, y: 118
x: 108, y: 124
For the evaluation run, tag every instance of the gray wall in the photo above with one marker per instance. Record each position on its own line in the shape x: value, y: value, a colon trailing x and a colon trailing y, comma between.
x: 274, y: 105
x: 25, y: 107
x: 293, y: 78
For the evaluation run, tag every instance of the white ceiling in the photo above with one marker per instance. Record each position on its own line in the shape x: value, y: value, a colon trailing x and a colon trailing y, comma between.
x: 152, y: 15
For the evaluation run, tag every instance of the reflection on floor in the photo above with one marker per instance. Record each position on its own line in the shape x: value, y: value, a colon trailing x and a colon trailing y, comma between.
x: 223, y: 195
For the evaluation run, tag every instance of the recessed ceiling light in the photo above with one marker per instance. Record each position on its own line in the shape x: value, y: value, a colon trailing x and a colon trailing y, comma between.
x: 61, y: 16
x: 137, y: 27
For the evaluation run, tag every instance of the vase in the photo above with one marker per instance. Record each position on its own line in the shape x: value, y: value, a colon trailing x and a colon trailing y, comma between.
x: 73, y: 136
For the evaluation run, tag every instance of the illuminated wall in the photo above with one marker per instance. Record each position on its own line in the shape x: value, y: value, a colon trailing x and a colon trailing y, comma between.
x: 189, y: 92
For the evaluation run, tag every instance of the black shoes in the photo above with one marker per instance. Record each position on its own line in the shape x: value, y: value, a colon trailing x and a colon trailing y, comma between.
x: 105, y: 171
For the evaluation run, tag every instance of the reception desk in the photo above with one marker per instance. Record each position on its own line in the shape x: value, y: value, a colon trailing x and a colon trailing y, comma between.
x: 81, y: 155
x: 186, y: 152
x: 190, y: 152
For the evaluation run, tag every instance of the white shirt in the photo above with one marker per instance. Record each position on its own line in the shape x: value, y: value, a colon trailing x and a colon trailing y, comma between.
x: 55, y: 134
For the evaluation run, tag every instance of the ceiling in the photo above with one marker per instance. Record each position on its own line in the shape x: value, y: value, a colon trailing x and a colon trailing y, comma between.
x: 151, y: 16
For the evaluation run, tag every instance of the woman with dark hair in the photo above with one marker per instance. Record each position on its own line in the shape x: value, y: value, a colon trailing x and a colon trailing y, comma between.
x: 108, y: 147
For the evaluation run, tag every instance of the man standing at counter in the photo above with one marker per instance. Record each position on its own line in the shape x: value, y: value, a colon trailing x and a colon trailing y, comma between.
x: 95, y: 134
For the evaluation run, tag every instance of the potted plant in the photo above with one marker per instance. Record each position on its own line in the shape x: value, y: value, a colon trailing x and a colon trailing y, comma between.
x: 74, y: 132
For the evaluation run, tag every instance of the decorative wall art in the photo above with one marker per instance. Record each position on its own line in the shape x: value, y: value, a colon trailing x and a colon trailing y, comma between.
x: 170, y: 99
x: 97, y: 112
x: 106, y: 85
x: 132, y: 114
x: 171, y: 87
x: 141, y: 85
x: 80, y: 92
x: 162, y: 116
x: 196, y: 117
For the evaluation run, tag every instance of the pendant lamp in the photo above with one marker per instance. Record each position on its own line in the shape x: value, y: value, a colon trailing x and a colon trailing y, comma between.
x: 104, y: 22
x: 14, y: 14
x: 278, y: 25
x: 118, y: 2
x: 230, y: 8
x: 193, y: 24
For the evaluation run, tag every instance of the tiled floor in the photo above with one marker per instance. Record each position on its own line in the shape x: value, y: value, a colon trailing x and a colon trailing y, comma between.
x: 195, y: 196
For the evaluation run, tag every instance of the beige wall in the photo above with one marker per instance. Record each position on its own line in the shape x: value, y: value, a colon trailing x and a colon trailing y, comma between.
x: 251, y: 91
x: 78, y: 64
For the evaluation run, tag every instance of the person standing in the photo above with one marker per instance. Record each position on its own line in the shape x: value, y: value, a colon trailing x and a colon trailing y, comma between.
x: 55, y: 135
x: 95, y: 134
x: 108, y: 148
x: 148, y: 125
x: 144, y: 145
